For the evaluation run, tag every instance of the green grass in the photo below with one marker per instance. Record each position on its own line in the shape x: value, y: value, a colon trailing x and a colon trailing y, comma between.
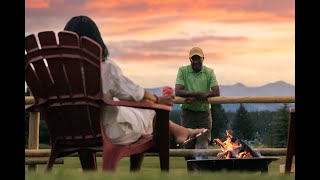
x: 71, y: 169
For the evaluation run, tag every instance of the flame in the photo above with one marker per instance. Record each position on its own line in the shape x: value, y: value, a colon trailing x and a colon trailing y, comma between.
x: 231, y: 148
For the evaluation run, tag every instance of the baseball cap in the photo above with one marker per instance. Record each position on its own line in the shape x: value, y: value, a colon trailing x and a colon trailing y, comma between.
x: 196, y: 51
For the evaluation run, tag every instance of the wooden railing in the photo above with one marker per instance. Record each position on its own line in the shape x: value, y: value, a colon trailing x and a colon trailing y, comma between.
x: 34, y: 121
x: 243, y: 99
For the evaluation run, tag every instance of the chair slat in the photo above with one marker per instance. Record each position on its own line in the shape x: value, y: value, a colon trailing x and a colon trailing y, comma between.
x: 69, y: 39
x: 74, y: 74
x: 45, y: 84
x: 47, y: 39
x: 92, y: 48
x: 33, y: 83
x: 66, y: 74
x: 92, y: 78
x: 31, y: 43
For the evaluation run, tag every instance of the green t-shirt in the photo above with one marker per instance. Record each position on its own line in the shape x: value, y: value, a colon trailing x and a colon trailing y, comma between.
x: 192, y: 81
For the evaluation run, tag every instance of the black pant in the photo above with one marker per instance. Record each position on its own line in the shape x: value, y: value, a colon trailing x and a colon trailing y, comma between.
x: 197, y: 119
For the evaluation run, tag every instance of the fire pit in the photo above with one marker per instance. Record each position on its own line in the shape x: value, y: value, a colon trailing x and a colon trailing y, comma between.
x: 231, y: 164
x: 235, y: 155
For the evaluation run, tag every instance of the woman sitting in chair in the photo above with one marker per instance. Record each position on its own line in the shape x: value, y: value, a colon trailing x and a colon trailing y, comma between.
x: 120, y: 129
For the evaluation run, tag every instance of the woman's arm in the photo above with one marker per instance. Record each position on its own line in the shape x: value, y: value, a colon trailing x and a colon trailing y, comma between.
x: 149, y: 97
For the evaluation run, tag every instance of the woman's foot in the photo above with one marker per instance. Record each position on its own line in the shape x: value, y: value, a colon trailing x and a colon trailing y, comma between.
x: 189, y: 135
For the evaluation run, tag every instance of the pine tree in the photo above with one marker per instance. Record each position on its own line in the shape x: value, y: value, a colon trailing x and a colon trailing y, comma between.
x: 262, y: 125
x: 220, y: 122
x: 242, y: 125
x: 279, y: 131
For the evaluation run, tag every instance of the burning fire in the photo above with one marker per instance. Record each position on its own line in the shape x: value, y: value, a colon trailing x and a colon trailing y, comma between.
x: 233, y: 147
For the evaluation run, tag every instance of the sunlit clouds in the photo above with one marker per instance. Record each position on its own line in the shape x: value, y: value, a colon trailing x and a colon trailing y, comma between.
x: 245, y: 41
x: 37, y: 4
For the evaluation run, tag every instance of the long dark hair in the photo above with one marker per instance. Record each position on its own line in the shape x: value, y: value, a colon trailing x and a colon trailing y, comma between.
x: 84, y: 26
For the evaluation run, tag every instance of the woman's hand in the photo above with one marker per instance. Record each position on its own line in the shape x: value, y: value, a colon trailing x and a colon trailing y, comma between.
x: 167, y: 100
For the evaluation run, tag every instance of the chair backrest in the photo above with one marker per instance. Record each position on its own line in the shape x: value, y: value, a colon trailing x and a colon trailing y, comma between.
x: 63, y: 75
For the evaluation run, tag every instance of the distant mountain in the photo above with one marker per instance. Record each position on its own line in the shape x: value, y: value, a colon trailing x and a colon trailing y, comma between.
x: 279, y: 88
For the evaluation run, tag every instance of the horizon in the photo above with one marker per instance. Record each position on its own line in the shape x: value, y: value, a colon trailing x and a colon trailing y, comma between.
x: 244, y: 84
x: 219, y: 85
x: 252, y: 42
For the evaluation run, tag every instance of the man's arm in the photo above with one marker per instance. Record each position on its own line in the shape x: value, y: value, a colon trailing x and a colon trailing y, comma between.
x: 215, y: 91
x: 203, y: 96
x: 180, y: 91
x: 193, y: 96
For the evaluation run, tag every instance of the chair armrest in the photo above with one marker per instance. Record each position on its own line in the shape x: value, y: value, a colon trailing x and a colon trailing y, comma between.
x: 144, y: 105
x: 29, y: 107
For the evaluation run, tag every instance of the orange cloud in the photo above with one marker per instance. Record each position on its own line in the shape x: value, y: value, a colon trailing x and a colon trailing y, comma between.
x: 149, y: 17
x: 140, y: 17
x: 37, y: 4
x: 203, y: 10
x: 244, y: 34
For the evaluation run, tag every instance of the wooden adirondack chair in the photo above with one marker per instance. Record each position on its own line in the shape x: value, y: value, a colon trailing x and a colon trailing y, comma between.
x: 65, y: 81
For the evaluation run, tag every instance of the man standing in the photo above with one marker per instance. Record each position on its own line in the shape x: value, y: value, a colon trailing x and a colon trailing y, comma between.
x: 197, y: 82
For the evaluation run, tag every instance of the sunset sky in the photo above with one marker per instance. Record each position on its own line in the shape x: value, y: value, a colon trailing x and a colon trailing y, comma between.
x: 247, y: 41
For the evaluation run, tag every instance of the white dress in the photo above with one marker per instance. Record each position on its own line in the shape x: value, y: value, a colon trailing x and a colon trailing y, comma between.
x: 123, y: 125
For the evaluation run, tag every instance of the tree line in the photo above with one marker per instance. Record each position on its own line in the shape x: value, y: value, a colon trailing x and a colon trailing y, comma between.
x: 259, y: 128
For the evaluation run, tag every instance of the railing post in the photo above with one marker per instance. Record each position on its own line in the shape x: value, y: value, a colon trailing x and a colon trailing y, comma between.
x: 33, y: 142
x: 291, y: 141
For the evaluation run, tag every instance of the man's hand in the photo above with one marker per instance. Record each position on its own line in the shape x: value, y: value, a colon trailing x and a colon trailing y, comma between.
x: 202, y: 96
x: 190, y: 100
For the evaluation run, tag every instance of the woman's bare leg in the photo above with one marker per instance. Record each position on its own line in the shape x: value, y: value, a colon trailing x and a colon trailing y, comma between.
x: 181, y: 133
